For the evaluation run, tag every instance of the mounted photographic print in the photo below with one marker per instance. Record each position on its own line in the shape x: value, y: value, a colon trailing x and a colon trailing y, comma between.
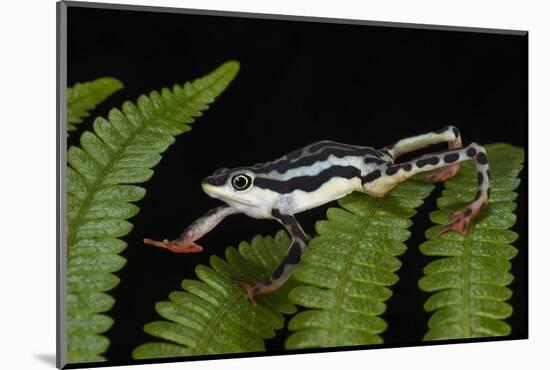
x: 236, y: 185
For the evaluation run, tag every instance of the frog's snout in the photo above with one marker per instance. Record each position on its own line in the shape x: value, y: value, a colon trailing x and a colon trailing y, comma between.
x: 210, y: 180
x: 214, y: 180
x: 212, y: 184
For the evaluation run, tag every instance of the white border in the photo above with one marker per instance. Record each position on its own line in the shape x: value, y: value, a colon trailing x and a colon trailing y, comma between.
x: 27, y: 191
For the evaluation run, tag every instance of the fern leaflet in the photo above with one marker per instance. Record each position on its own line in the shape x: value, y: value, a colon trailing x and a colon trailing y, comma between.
x: 214, y: 316
x: 470, y: 280
x: 121, y: 152
x: 83, y: 97
x: 349, y: 267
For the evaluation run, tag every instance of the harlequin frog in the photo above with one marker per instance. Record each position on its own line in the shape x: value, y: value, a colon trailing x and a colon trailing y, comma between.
x: 320, y: 173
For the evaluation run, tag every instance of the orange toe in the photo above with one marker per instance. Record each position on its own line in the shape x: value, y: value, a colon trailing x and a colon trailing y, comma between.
x: 459, y: 226
x: 161, y: 244
x: 249, y: 287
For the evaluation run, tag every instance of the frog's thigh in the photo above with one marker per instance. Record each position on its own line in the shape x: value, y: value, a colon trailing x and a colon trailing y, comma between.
x: 379, y: 182
x: 382, y: 184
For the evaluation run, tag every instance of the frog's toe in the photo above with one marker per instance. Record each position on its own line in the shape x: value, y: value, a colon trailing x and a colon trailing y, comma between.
x: 457, y: 225
x: 455, y: 215
x: 161, y: 244
x: 248, y: 286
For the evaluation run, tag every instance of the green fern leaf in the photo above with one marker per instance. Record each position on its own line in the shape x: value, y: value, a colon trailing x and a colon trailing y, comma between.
x: 83, y: 97
x: 470, y: 280
x: 213, y: 315
x: 349, y: 267
x: 121, y: 152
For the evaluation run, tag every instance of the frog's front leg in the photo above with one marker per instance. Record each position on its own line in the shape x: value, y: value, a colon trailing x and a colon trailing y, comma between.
x: 185, y: 243
x: 289, y: 262
x: 382, y: 180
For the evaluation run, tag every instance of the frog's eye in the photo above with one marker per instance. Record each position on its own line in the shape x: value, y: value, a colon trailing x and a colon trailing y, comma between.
x: 241, y: 182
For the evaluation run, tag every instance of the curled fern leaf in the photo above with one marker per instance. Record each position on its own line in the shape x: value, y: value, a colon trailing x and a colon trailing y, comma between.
x: 83, y: 97
x: 349, y: 267
x: 121, y: 152
x: 213, y: 315
x: 470, y: 280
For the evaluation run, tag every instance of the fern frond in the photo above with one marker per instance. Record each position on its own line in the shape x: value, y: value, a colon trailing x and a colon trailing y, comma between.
x: 213, y: 315
x: 121, y: 152
x: 349, y: 267
x: 83, y: 97
x: 470, y: 281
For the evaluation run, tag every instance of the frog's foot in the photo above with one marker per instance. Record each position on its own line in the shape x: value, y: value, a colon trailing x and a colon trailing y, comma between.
x: 177, y: 247
x: 459, y: 221
x: 254, y: 288
x: 442, y: 174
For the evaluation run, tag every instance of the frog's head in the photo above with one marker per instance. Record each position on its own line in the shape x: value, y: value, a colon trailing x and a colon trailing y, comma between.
x: 236, y: 187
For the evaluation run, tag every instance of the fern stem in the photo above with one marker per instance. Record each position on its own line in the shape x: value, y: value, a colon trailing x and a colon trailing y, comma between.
x: 469, y: 279
x: 121, y: 152
x: 349, y: 266
x: 97, y: 185
x: 227, y: 321
x: 214, y: 323
x: 466, y: 279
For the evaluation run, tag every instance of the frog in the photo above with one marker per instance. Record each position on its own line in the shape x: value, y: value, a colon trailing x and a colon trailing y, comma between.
x: 320, y: 173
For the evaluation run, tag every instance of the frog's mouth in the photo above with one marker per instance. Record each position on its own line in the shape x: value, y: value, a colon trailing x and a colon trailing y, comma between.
x: 216, y: 192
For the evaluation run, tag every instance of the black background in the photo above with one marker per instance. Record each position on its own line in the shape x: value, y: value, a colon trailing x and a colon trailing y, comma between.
x: 299, y: 82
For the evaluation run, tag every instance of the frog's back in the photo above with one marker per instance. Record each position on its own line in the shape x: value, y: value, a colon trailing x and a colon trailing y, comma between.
x: 314, y: 158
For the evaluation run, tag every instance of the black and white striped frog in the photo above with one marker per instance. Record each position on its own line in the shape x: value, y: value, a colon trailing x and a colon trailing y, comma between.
x: 322, y: 172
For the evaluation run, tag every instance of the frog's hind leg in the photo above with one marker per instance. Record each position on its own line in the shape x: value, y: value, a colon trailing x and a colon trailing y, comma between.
x: 449, y: 134
x: 287, y: 265
x: 396, y: 173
